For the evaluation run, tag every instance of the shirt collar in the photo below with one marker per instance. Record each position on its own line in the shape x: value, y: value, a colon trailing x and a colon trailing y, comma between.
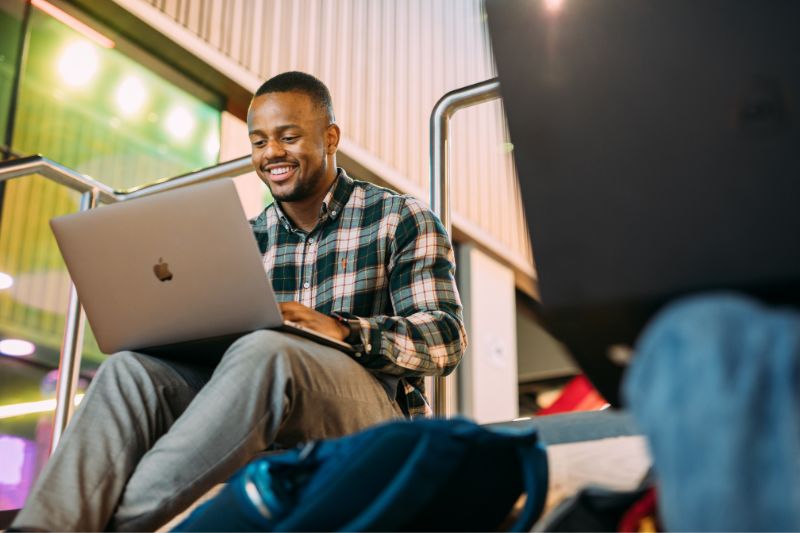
x: 332, y: 204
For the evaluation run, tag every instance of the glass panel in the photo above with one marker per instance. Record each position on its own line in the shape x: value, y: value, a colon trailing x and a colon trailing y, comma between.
x: 103, y: 113
x: 32, y: 308
x: 26, y: 421
x: 98, y: 111
x: 31, y: 326
x: 10, y: 27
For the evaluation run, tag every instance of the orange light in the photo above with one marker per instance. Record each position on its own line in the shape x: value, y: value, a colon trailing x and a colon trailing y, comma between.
x: 73, y: 23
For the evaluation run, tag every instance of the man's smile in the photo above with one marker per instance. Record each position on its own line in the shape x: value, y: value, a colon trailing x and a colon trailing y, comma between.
x: 281, y: 172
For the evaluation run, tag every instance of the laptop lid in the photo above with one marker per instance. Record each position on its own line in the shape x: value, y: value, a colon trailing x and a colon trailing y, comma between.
x: 656, y: 144
x: 177, y: 266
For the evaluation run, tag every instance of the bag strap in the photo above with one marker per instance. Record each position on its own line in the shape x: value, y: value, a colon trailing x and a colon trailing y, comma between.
x: 535, y: 480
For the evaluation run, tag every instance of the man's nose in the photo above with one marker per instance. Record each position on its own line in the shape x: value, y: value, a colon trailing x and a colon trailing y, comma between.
x: 274, y: 149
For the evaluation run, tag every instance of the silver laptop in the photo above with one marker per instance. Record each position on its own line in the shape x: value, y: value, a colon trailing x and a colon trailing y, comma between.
x: 175, y: 272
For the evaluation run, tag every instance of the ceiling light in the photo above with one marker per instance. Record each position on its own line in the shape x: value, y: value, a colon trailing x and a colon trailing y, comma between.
x: 553, y: 6
x: 179, y: 123
x: 78, y: 63
x: 131, y: 95
x: 6, y: 281
x: 16, y: 347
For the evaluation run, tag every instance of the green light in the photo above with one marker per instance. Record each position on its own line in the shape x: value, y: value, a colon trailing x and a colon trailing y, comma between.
x: 78, y: 63
x: 179, y: 123
x: 212, y: 144
x: 131, y: 95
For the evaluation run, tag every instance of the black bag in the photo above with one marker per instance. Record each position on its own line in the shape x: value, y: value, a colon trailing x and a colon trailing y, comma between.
x: 432, y: 475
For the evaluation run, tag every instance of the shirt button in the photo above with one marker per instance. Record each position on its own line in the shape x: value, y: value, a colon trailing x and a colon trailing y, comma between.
x: 358, y: 354
x: 306, y: 285
x: 333, y: 213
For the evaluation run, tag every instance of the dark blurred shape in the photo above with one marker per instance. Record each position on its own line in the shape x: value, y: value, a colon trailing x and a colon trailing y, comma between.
x: 658, y: 153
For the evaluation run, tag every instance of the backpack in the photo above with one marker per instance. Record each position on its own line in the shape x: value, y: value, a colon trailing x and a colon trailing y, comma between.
x: 431, y: 475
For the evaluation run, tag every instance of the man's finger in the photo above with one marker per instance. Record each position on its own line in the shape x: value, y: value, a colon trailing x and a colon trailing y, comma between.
x: 297, y: 313
x: 292, y: 314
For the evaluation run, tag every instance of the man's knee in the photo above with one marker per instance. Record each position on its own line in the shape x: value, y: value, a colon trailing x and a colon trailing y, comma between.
x: 262, y: 349
x: 126, y: 367
x: 264, y: 339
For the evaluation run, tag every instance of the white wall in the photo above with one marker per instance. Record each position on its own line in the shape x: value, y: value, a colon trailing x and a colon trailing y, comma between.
x: 387, y: 63
x: 488, y: 373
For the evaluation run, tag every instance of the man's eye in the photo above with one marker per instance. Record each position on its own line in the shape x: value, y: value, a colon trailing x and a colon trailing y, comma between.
x: 290, y: 139
x: 258, y: 144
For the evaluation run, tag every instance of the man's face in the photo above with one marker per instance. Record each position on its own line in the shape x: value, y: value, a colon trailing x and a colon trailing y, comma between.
x: 293, y: 145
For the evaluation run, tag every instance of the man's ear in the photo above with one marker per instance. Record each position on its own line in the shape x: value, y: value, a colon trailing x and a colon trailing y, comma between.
x: 332, y: 135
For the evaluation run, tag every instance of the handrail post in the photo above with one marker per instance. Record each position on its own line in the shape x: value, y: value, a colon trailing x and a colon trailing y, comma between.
x: 69, y: 365
x: 440, y: 180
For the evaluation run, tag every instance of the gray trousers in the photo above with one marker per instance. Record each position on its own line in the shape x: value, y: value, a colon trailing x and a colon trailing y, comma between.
x: 150, y: 437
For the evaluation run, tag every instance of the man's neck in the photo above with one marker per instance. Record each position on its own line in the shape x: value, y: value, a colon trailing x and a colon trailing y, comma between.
x: 304, y: 214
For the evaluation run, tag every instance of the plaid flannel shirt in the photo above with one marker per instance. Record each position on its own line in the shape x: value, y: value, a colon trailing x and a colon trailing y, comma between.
x: 380, y: 257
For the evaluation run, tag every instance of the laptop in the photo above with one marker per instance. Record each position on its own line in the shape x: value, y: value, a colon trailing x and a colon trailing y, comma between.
x: 177, y: 274
x: 658, y: 153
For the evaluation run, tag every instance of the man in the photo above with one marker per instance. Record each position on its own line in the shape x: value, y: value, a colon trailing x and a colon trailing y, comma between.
x: 346, y: 258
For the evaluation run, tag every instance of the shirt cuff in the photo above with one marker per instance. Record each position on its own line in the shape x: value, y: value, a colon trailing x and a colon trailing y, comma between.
x: 357, y: 338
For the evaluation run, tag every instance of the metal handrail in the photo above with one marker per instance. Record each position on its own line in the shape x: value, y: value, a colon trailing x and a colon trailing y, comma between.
x: 440, y: 178
x: 94, y: 192
x: 38, y: 164
x: 69, y: 363
x: 228, y: 169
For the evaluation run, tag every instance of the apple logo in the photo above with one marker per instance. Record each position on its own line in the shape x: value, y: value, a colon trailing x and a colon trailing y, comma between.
x: 161, y: 270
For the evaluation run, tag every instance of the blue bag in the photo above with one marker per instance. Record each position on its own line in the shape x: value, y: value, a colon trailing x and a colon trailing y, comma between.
x: 431, y: 475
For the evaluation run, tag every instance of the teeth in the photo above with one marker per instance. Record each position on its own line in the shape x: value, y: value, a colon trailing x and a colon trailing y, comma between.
x: 280, y: 170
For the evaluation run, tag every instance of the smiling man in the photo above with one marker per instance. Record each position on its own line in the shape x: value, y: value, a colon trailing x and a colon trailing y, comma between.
x: 346, y: 258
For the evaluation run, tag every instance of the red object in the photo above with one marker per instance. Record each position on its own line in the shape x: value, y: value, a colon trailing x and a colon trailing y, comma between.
x: 578, y: 395
x: 642, y: 511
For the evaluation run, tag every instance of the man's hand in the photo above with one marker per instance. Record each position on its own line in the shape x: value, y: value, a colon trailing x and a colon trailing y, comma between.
x: 311, y: 319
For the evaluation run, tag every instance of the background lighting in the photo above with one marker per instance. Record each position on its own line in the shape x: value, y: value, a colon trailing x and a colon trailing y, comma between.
x: 16, y: 347
x: 29, y: 408
x: 553, y: 6
x: 179, y: 123
x: 12, y: 450
x: 6, y: 281
x: 78, y: 63
x: 212, y: 145
x: 131, y: 95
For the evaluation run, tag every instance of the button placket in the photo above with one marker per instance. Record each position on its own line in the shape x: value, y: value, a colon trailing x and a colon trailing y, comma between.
x: 309, y: 258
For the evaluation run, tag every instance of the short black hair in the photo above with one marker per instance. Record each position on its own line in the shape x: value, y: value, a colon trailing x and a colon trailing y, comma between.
x: 300, y: 82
